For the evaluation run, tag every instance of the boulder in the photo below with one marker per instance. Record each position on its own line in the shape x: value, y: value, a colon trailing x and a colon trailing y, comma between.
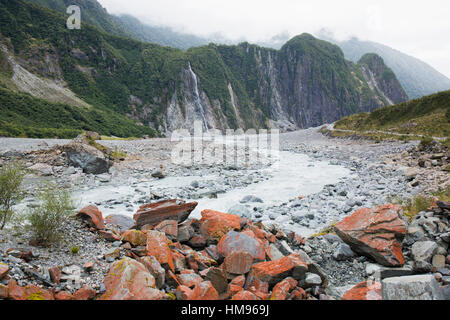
x: 128, y: 279
x: 376, y: 233
x: 273, y: 272
x: 244, y: 296
x: 423, y: 250
x: 85, y: 293
x: 218, y: 279
x: 154, y: 267
x: 3, y: 291
x: 183, y: 293
x: 238, y: 262
x: 92, y: 216
x: 368, y: 290
x: 241, y: 210
x: 29, y: 292
x: 189, y: 280
x: 312, y: 279
x: 240, y: 241
x: 169, y: 227
x: 135, y: 237
x: 283, y: 288
x: 120, y: 221
x: 87, y: 157
x: 158, y: 247
x: 417, y: 287
x: 204, y: 291
x: 154, y: 213
x: 214, y: 224
x: 64, y: 295
x: 4, y: 268
x: 343, y: 252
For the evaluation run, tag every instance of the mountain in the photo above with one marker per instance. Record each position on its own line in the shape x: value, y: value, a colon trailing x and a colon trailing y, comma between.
x: 429, y: 115
x: 125, y: 25
x: 163, y: 36
x: 92, y: 13
x: 417, y: 78
x: 305, y: 83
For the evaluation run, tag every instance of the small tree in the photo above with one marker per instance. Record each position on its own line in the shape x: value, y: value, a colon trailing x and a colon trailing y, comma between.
x: 11, y: 193
x: 47, y: 219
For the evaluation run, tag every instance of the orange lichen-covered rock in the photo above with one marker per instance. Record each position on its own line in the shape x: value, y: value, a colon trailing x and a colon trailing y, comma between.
x: 183, y: 293
x: 93, y: 216
x: 128, y: 279
x: 4, y: 268
x: 238, y: 262
x: 282, y: 289
x: 190, y: 280
x: 376, y: 232
x: 273, y: 272
x: 369, y: 290
x: 169, y: 227
x: 3, y: 291
x: 158, y: 247
x: 205, y: 291
x: 85, y: 293
x: 244, y: 295
x: 64, y: 295
x: 154, y: 213
x: 214, y: 224
x: 29, y: 292
x: 135, y: 237
x: 240, y: 241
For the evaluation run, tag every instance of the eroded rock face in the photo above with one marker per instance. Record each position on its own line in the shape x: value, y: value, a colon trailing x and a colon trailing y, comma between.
x: 154, y: 213
x: 376, y: 233
x: 128, y: 279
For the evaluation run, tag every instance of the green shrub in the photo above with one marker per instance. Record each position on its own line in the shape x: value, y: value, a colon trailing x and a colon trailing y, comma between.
x: 11, y: 193
x: 47, y: 219
x: 74, y: 250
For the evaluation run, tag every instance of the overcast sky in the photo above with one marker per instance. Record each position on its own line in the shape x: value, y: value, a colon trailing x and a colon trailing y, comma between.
x: 416, y: 27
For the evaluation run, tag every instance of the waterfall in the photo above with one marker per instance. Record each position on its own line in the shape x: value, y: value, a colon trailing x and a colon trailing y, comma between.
x: 197, y: 101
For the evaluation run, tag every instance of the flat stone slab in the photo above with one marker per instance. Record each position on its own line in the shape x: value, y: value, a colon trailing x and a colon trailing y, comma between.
x: 418, y: 287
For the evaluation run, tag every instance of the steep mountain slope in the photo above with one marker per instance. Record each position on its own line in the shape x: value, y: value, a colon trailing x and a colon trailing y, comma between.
x: 163, y: 36
x: 429, y: 115
x: 417, y: 78
x: 305, y: 83
x: 92, y: 13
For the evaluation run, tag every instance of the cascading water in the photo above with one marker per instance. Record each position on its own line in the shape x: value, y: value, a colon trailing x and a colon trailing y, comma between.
x: 197, y: 101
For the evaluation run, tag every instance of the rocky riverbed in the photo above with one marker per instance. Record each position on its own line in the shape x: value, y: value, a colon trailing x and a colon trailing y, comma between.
x: 316, y: 183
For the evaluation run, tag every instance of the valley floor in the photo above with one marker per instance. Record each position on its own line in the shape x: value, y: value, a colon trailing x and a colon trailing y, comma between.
x: 318, y: 182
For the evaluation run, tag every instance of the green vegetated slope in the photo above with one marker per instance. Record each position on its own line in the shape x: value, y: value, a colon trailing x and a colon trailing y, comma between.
x: 24, y: 116
x: 308, y: 79
x: 428, y: 116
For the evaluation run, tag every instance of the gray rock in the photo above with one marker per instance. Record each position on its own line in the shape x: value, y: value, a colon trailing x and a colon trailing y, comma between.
x: 91, y: 160
x: 418, y: 287
x: 312, y: 279
x: 343, y: 252
x: 251, y: 198
x: 241, y: 211
x: 423, y: 250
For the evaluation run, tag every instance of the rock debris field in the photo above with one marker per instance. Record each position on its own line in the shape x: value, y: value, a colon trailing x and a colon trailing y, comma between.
x: 318, y: 222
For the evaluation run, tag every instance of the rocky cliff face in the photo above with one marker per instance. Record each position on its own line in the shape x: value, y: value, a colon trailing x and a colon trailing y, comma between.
x: 306, y: 83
